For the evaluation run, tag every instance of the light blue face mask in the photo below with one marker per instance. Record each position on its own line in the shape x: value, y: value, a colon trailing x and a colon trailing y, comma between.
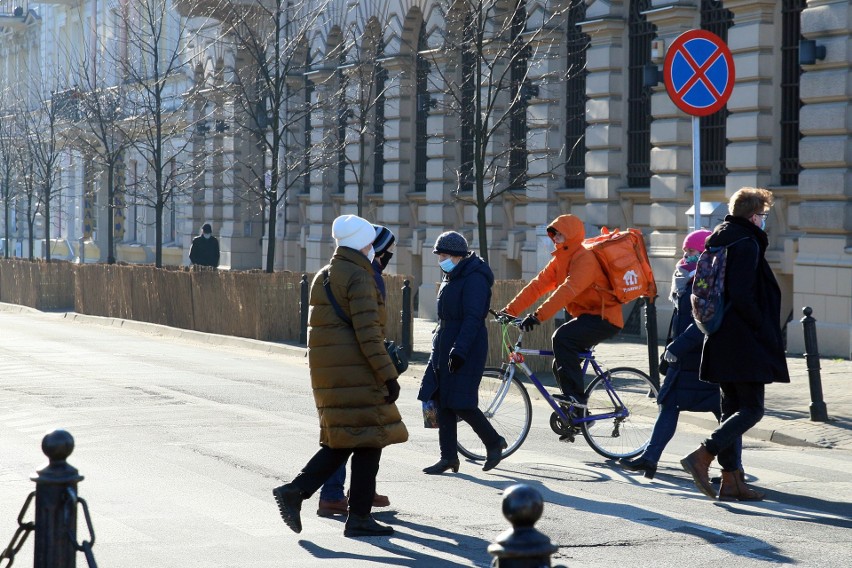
x: 447, y: 265
x: 763, y: 223
x: 691, y: 259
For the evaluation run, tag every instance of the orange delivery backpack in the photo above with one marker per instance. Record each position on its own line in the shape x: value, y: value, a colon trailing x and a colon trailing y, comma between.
x: 624, y: 260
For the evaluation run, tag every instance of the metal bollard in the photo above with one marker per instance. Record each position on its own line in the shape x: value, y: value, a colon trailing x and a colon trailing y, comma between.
x: 522, y: 546
x: 407, y: 337
x: 56, y: 517
x: 819, y: 413
x: 653, y: 351
x: 303, y: 310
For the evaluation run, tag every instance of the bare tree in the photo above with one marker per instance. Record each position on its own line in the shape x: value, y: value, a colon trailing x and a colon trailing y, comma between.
x: 155, y: 102
x: 268, y: 92
x: 29, y: 188
x: 488, y: 89
x: 102, y: 129
x: 8, y: 171
x: 39, y: 125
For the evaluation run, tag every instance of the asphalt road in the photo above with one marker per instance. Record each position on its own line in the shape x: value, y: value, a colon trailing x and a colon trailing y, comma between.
x: 181, y: 443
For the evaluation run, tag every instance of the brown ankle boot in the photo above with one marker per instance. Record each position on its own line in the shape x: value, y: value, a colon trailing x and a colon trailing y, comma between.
x: 733, y: 488
x: 697, y: 464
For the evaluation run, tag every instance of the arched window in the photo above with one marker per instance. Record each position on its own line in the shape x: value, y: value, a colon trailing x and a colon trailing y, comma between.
x: 520, y: 91
x: 791, y: 33
x: 381, y: 76
x: 423, y: 103
x: 575, y: 97
x: 468, y: 108
x: 716, y: 19
x: 641, y: 33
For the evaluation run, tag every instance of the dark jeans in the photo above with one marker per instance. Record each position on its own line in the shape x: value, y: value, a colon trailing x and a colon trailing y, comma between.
x: 663, y: 432
x: 448, y: 430
x: 742, y: 408
x: 579, y: 334
x: 365, y: 467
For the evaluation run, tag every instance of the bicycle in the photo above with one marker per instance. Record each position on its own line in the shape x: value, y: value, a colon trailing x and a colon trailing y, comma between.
x: 616, y: 422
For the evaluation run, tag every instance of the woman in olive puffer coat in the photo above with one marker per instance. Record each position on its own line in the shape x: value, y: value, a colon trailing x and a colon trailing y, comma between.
x: 353, y: 379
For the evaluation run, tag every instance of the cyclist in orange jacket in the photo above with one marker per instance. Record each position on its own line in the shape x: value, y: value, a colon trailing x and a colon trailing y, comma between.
x: 577, y: 283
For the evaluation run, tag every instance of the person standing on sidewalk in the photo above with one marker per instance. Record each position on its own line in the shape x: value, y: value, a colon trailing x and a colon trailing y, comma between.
x: 353, y: 379
x: 459, y: 350
x: 332, y: 499
x: 681, y: 390
x: 204, y: 250
x: 747, y: 351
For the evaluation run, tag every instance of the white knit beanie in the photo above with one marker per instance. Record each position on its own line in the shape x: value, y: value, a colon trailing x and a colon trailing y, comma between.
x: 353, y: 232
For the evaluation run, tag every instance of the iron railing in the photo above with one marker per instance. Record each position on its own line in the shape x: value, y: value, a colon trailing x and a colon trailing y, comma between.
x: 641, y: 32
x: 713, y: 131
x: 575, y: 108
x: 791, y: 71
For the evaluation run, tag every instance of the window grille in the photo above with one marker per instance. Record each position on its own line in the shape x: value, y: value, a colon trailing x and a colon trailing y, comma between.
x: 519, y: 89
x: 422, y: 113
x: 306, y: 158
x: 575, y: 109
x: 791, y: 33
x: 716, y: 19
x: 381, y: 76
x: 641, y: 32
x: 468, y: 108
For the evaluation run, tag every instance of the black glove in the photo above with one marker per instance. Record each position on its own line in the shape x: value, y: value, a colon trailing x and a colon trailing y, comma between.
x: 455, y: 363
x: 529, y: 322
x: 393, y: 391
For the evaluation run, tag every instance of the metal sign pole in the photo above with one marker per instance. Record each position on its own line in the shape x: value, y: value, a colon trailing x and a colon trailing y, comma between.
x: 696, y: 173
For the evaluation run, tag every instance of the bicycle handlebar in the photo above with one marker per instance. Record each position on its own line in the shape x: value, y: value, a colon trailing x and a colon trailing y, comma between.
x: 505, y: 319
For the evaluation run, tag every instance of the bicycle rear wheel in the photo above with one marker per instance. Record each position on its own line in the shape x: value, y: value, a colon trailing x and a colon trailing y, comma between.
x: 507, y: 406
x: 621, y: 437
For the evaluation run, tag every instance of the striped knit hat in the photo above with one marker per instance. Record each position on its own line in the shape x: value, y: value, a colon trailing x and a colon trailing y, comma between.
x: 384, y: 239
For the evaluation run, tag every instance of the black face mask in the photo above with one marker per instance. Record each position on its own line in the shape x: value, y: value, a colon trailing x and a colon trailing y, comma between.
x: 385, y: 259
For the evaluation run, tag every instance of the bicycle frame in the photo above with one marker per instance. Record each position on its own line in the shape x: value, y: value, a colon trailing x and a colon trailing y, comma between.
x: 516, y: 360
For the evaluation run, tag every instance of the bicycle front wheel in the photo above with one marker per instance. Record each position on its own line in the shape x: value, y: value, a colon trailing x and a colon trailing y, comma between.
x: 507, y: 406
x: 631, y: 396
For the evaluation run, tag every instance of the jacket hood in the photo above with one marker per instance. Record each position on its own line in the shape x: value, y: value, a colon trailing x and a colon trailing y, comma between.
x: 470, y: 264
x: 571, y: 227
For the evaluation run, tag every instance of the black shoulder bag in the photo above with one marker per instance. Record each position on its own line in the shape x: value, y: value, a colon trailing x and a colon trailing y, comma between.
x: 396, y: 352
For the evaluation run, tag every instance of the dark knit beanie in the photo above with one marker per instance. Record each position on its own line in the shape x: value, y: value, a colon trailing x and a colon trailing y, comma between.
x: 451, y: 243
x: 384, y: 239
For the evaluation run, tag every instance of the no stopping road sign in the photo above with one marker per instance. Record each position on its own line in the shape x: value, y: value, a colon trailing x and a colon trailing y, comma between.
x: 699, y: 72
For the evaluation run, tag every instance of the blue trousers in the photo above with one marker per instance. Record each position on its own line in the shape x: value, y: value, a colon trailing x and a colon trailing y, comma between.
x: 332, y: 489
x: 664, y: 430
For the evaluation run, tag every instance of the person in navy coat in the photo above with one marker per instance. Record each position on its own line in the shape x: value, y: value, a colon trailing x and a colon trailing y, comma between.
x: 459, y: 351
x: 681, y: 390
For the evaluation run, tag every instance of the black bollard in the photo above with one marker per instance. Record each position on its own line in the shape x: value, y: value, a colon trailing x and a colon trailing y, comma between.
x: 522, y: 546
x: 653, y: 350
x: 819, y: 413
x: 407, y: 337
x: 303, y: 310
x: 56, y: 506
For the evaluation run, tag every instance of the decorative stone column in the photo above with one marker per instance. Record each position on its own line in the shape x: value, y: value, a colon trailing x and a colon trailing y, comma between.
x: 822, y: 272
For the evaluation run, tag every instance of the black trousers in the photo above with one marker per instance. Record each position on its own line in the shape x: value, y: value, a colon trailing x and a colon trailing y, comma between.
x: 572, y: 337
x: 448, y: 430
x: 362, y: 487
x: 742, y: 408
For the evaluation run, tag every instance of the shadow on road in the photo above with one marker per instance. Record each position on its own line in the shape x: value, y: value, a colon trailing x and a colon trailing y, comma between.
x: 412, y: 535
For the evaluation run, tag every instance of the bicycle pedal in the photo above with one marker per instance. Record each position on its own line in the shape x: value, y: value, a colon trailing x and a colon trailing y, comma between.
x: 569, y: 438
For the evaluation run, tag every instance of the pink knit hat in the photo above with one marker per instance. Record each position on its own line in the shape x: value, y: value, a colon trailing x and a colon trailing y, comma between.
x: 695, y: 239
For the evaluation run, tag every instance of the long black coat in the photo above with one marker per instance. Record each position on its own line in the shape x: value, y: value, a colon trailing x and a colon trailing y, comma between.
x: 463, y: 301
x: 204, y: 252
x: 681, y: 387
x: 748, y: 345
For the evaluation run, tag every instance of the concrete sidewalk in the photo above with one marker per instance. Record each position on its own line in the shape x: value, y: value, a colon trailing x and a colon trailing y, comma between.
x: 787, y: 419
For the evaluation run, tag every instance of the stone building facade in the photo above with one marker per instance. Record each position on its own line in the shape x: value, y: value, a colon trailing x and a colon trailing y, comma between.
x: 786, y: 128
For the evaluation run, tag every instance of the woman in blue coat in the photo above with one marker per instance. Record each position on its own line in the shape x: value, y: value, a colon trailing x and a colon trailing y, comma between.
x: 681, y: 390
x: 459, y: 350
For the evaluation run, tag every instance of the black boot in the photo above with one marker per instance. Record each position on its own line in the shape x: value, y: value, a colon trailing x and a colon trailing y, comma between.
x: 365, y: 525
x: 289, y: 499
x: 441, y: 466
x: 640, y: 464
x: 495, y: 454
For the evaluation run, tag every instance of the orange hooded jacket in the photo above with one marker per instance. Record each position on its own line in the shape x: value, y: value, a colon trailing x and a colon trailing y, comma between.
x: 574, y: 276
